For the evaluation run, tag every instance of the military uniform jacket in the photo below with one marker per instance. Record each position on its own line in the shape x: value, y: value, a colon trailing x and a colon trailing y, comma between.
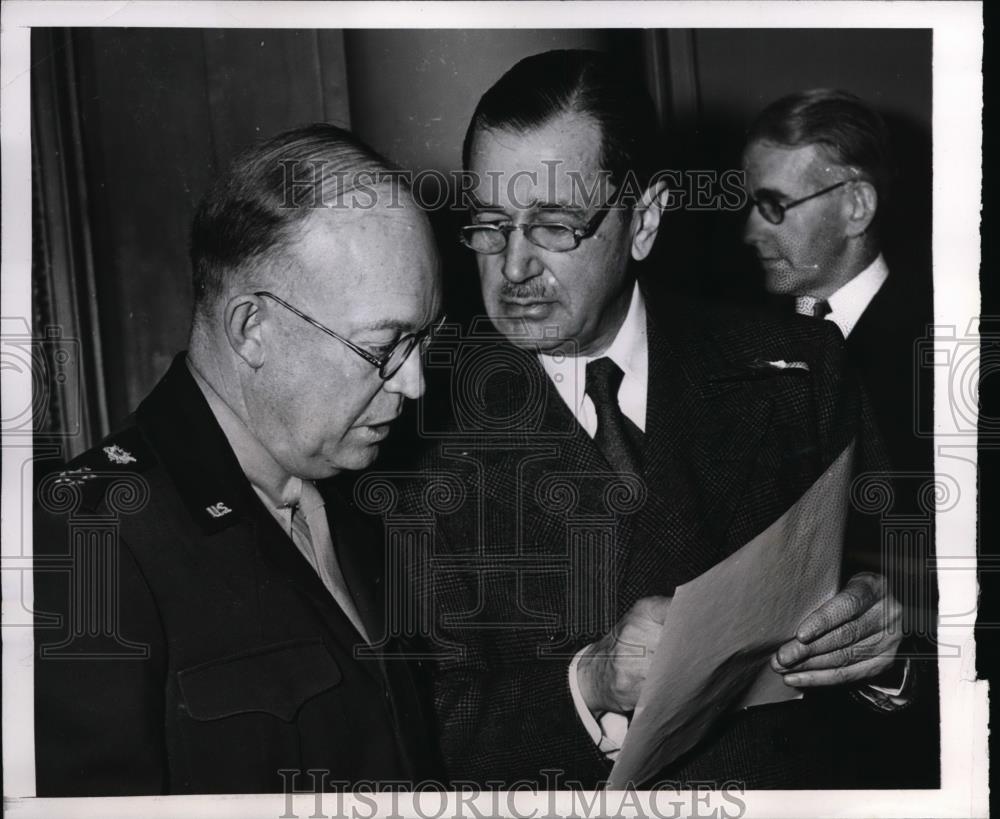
x: 184, y: 645
x: 537, y: 548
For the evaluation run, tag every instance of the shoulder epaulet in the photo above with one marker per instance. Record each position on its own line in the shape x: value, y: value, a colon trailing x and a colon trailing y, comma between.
x: 121, y: 454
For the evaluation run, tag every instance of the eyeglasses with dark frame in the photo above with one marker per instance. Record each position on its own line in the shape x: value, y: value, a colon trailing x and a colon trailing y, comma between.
x: 774, y: 212
x: 489, y: 240
x: 387, y: 365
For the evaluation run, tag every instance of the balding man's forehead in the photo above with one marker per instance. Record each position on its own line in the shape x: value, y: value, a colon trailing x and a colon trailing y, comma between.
x: 787, y: 170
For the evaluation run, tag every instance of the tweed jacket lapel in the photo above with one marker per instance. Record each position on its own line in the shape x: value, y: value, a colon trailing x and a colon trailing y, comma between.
x: 544, y: 453
x: 703, y: 433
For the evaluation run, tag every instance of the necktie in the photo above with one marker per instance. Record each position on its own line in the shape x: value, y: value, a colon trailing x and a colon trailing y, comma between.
x: 812, y: 306
x: 617, y: 437
x: 310, y: 531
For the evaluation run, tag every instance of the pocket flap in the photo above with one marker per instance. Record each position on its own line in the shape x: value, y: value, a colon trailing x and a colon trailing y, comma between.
x: 276, y: 679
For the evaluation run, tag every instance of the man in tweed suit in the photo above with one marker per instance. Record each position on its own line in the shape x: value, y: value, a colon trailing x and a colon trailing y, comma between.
x: 603, y: 449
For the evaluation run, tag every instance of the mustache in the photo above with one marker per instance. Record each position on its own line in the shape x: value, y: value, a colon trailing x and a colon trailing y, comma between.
x: 522, y: 290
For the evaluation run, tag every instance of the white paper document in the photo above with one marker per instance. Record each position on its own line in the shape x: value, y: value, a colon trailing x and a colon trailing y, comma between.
x: 723, y: 627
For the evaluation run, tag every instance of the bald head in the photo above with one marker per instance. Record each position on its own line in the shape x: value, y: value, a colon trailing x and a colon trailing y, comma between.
x: 311, y: 270
x: 247, y: 219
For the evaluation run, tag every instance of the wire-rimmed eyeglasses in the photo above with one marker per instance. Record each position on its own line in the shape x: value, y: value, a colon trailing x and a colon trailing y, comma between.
x: 490, y: 239
x: 390, y: 363
x: 774, y: 211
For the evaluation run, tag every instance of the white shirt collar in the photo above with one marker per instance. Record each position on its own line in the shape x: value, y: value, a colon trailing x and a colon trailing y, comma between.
x: 850, y: 301
x: 629, y: 350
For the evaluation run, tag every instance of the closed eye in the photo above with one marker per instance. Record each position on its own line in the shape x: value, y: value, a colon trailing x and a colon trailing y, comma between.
x: 380, y: 348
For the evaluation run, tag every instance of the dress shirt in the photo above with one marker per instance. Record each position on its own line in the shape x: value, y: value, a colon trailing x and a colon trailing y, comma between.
x: 630, y: 351
x: 851, y: 300
x: 283, y: 495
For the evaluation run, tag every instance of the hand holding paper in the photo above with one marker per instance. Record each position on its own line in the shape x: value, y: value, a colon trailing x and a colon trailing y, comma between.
x: 613, y: 669
x: 724, y: 625
x: 851, y: 638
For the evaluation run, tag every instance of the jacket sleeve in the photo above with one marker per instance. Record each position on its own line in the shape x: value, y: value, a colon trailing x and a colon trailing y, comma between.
x: 99, y: 666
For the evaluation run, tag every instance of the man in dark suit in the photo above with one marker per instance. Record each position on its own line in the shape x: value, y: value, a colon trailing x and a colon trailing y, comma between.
x: 818, y: 171
x: 207, y: 601
x: 603, y: 449
x: 818, y: 168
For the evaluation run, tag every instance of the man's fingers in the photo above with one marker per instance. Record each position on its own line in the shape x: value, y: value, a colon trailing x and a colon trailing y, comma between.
x: 858, y: 596
x: 875, y: 646
x: 881, y: 619
x: 857, y: 672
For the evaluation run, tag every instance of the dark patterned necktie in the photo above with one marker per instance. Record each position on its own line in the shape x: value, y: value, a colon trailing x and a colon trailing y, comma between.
x: 618, y: 439
x: 812, y: 306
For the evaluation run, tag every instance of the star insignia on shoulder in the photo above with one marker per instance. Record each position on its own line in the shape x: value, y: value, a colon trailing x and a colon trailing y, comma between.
x: 117, y: 455
x: 75, y: 477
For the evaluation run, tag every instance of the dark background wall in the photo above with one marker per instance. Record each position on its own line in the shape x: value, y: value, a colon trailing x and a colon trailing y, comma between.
x: 158, y: 112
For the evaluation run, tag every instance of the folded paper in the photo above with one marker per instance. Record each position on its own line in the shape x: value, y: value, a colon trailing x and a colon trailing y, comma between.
x: 722, y: 628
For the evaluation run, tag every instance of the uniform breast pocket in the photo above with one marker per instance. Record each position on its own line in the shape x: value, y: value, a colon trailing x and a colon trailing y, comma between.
x: 276, y: 680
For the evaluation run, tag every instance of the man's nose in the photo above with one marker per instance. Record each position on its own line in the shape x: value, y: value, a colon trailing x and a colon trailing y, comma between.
x: 755, y: 227
x: 408, y: 380
x: 520, y: 260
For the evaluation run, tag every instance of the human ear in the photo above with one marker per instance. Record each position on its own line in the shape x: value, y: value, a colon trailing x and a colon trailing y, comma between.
x: 862, y: 202
x: 242, y: 320
x: 646, y: 219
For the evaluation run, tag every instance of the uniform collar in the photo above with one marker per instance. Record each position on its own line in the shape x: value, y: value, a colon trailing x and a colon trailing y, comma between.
x: 177, y: 423
x: 280, y: 488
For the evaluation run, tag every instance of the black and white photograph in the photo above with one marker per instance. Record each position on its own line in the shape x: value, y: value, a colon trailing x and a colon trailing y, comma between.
x: 492, y: 409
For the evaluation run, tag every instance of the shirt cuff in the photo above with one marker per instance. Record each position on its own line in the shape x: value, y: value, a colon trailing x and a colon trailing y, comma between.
x: 889, y: 699
x: 607, y: 730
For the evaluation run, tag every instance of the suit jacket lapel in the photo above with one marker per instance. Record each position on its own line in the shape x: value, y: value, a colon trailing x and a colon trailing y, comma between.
x: 703, y: 430
x: 702, y: 437
x: 544, y: 426
x: 360, y: 551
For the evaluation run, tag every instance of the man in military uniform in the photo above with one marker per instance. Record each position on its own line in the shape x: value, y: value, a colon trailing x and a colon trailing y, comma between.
x: 208, y: 605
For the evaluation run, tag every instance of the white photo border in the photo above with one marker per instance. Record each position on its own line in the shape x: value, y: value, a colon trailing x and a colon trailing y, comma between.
x: 957, y: 147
